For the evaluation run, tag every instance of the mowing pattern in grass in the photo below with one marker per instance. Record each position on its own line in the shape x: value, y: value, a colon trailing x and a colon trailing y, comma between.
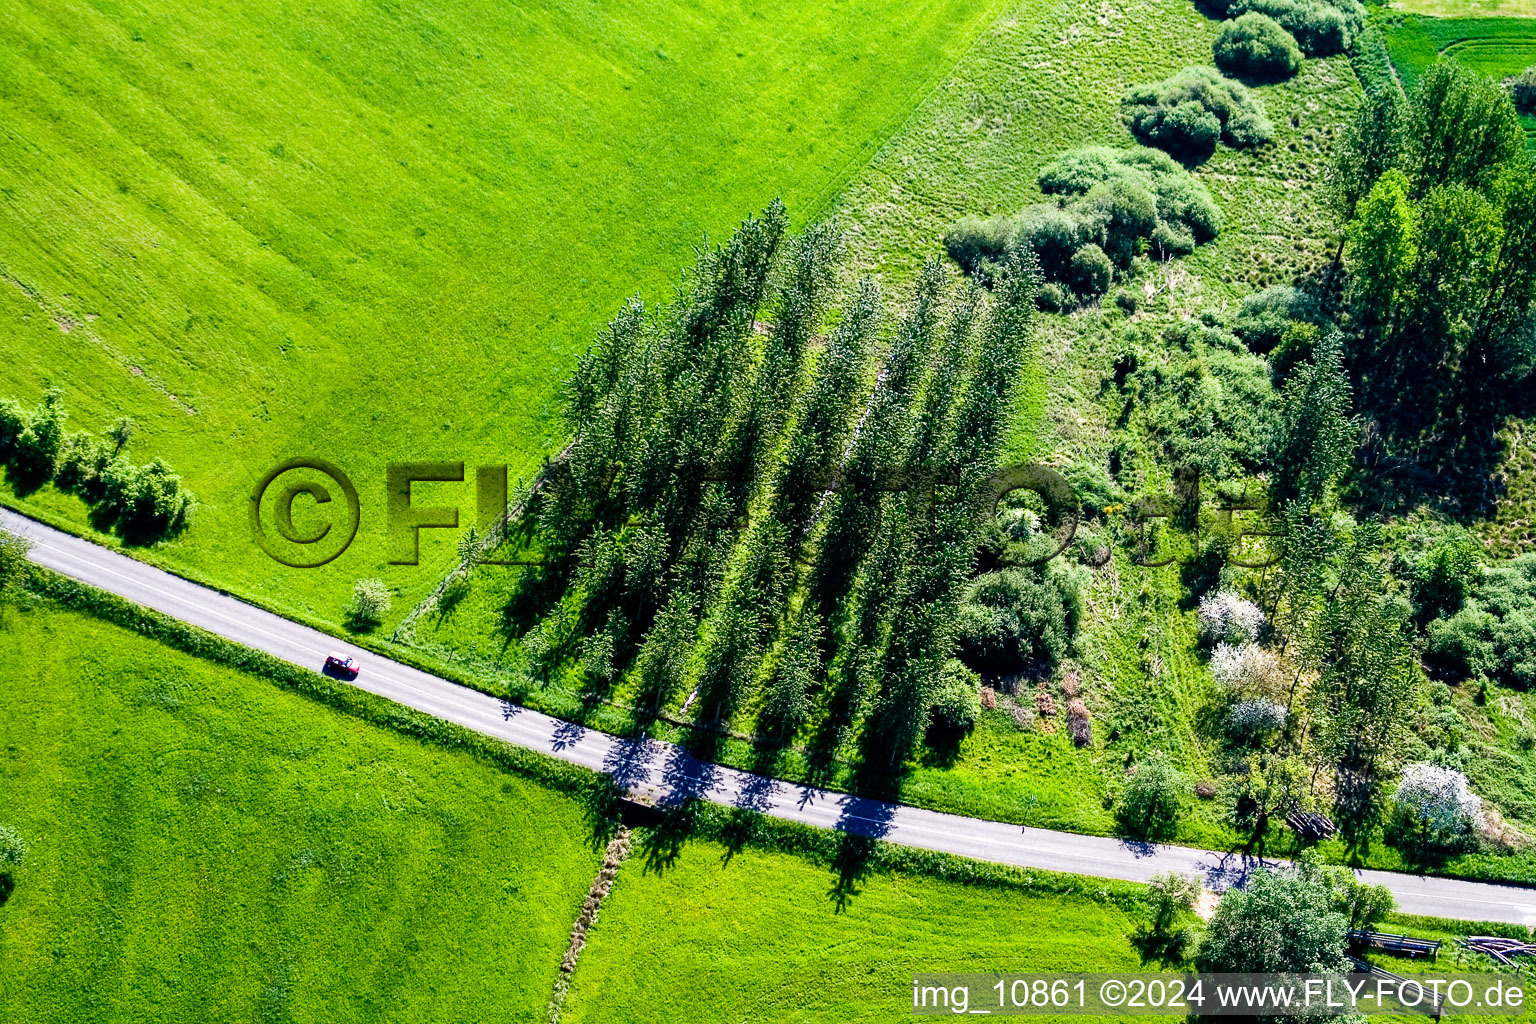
x: 205, y: 847
x: 756, y: 937
x: 379, y: 233
x: 1498, y: 47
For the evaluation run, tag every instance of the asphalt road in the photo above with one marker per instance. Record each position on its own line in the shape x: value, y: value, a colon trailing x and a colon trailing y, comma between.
x: 656, y: 772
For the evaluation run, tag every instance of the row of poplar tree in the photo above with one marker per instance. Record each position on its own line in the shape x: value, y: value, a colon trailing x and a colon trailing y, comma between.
x: 770, y: 505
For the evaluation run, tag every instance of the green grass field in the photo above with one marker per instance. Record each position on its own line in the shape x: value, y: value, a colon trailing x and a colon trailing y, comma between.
x: 757, y: 937
x: 1467, y: 8
x: 207, y: 847
x: 1498, y: 47
x: 380, y: 232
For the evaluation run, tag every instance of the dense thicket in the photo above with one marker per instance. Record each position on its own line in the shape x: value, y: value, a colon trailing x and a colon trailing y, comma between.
x: 143, y: 503
x: 773, y: 522
x: 1187, y: 114
x: 1111, y: 204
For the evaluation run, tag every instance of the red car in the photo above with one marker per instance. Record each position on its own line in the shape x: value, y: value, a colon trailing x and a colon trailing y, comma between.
x: 343, y: 665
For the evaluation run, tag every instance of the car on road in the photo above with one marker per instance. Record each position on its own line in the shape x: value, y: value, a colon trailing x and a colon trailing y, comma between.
x: 344, y: 665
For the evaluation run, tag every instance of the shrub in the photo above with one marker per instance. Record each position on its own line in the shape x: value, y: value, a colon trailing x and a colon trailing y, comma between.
x: 13, y: 565
x: 1121, y: 202
x: 1435, y: 808
x: 974, y: 242
x: 1494, y: 633
x: 1522, y: 90
x: 1150, y: 808
x: 1128, y: 301
x: 1054, y: 233
x: 13, y: 420
x: 1190, y: 112
x: 1321, y: 28
x: 1227, y: 618
x: 1054, y: 297
x: 368, y: 606
x: 1248, y: 671
x: 1126, y: 192
x: 956, y: 700
x: 1447, y: 574
x: 147, y: 502
x: 1091, y: 271
x: 1251, y: 719
x: 1018, y: 619
x: 1266, y: 315
x: 1255, y: 45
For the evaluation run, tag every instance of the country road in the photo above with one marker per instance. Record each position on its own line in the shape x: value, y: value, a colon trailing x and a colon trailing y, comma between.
x: 660, y: 772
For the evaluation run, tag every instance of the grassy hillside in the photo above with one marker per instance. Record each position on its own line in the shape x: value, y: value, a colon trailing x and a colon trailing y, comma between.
x: 204, y: 846
x: 708, y: 938
x: 380, y: 232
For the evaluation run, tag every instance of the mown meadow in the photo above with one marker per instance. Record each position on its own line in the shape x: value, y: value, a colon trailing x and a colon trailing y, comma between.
x: 713, y: 932
x: 203, y: 845
x: 1499, y: 47
x: 380, y: 234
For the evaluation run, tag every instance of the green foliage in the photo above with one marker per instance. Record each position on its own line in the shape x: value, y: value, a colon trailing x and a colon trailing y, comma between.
x: 1190, y: 112
x: 369, y: 604
x: 143, y: 504
x: 788, y: 700
x: 956, y: 701
x: 1321, y: 27
x: 1255, y: 45
x: 1445, y: 575
x: 1169, y: 930
x: 1318, y: 434
x: 13, y: 567
x: 1205, y: 400
x: 1278, y: 922
x: 1153, y: 802
x: 1462, y: 129
x: 1019, y: 619
x: 1122, y: 202
x: 1363, y: 905
x: 1266, y: 316
x: 1373, y: 143
x: 1494, y: 633
x: 1092, y: 271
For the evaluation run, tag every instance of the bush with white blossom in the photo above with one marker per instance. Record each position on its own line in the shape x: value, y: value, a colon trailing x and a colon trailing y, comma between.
x: 1437, y: 805
x: 1252, y: 718
x: 1227, y: 618
x: 1248, y: 671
